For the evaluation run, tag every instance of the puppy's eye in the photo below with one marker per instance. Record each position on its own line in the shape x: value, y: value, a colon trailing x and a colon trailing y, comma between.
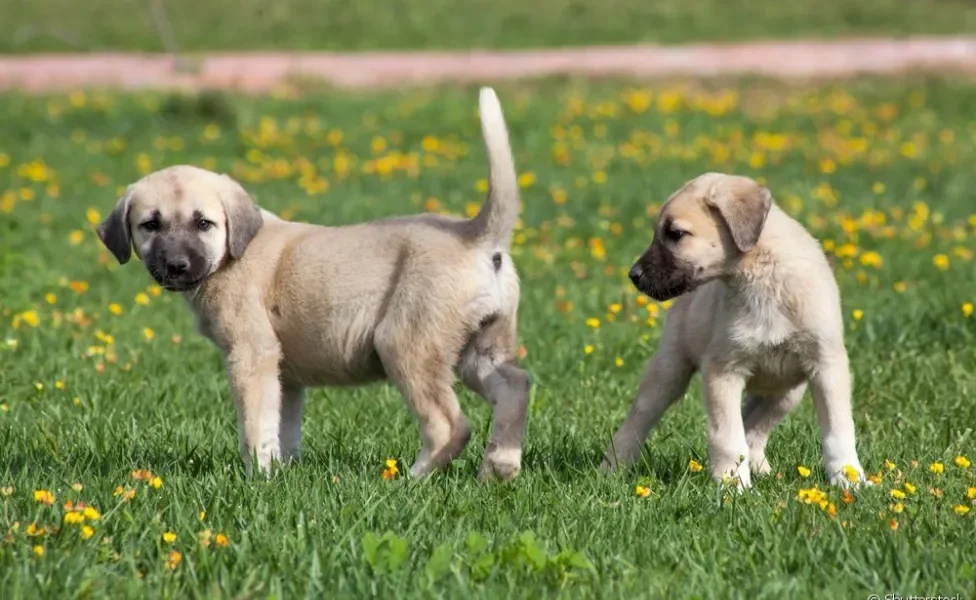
x: 675, y: 234
x: 150, y: 225
x: 204, y: 225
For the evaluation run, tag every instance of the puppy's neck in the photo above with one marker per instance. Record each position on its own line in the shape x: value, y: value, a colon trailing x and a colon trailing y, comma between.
x: 759, y: 279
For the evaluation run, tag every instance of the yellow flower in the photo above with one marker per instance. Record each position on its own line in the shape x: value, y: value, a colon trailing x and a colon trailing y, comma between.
x: 909, y: 488
x: 91, y: 513
x: 871, y: 259
x: 967, y: 309
x: 33, y: 530
x: 93, y: 216
x: 941, y: 262
x: 28, y: 317
x: 960, y: 509
x: 44, y: 497
x: 204, y: 538
x: 937, y: 468
x: 221, y: 541
x: 971, y: 493
x: 619, y: 361
x: 616, y: 308
x: 694, y: 466
x: 593, y: 322
x: 156, y: 482
x: 892, y: 524
x: 897, y: 507
x: 898, y: 494
x: 87, y: 531
x: 148, y: 333
x: 803, y: 471
x: 142, y: 474
x: 169, y: 537
x: 115, y: 309
x: 875, y: 478
x: 526, y: 180
x: 6, y: 490
x: 812, y: 496
x: 173, y: 560
x: 38, y: 551
x: 831, y: 510
x: 851, y: 474
x: 127, y: 494
x: 155, y: 291
x: 588, y: 349
x: 857, y: 314
x: 642, y: 491
x: 391, y: 470
x: 78, y: 287
x: 890, y: 465
x: 73, y: 518
x: 962, y: 462
x: 142, y: 298
x: 900, y: 286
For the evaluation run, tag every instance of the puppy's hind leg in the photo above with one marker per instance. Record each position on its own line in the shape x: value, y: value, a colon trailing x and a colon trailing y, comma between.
x: 664, y: 382
x: 290, y: 428
x: 488, y: 368
x: 761, y: 415
x: 425, y: 380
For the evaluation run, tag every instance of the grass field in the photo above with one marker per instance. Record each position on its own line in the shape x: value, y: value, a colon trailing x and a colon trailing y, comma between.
x: 65, y: 25
x: 109, y: 398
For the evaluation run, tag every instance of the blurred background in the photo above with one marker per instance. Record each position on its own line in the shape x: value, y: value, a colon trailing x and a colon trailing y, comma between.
x: 345, y: 25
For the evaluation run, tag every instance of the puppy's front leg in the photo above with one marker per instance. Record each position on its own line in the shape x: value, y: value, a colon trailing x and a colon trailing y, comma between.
x: 830, y: 385
x: 727, y: 446
x: 664, y: 382
x: 257, y: 394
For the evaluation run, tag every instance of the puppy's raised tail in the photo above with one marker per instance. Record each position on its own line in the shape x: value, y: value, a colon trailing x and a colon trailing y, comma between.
x: 496, y: 220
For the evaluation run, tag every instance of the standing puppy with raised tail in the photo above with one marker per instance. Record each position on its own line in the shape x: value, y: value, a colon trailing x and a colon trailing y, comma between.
x: 417, y: 300
x: 759, y: 314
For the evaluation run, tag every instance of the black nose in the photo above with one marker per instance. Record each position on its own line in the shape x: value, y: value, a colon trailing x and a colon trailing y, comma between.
x: 635, y: 274
x: 177, y: 266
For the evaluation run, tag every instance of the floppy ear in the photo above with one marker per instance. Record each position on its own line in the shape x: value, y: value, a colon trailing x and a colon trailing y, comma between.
x: 744, y: 206
x: 114, y: 230
x: 243, y: 218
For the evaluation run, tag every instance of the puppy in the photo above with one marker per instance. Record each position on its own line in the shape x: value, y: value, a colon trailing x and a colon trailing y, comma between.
x: 415, y: 300
x: 759, y: 313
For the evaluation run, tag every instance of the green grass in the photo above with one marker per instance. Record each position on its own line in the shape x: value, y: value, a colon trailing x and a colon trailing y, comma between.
x: 66, y: 25
x: 872, y: 168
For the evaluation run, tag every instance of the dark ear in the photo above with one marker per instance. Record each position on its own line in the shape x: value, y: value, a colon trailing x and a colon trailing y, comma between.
x: 744, y: 206
x: 243, y: 218
x: 114, y: 230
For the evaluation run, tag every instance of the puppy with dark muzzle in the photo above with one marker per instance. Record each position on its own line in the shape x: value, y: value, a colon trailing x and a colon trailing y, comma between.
x: 418, y: 300
x: 758, y: 312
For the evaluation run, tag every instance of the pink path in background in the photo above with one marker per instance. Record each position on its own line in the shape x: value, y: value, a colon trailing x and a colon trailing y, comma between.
x: 259, y: 72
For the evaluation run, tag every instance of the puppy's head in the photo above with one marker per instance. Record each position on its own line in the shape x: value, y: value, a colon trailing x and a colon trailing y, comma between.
x: 183, y: 222
x: 702, y: 231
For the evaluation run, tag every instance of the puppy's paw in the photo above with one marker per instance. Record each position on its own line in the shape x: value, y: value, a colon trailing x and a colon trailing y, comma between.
x: 759, y: 465
x: 503, y: 464
x: 735, y: 477
x: 848, y: 475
